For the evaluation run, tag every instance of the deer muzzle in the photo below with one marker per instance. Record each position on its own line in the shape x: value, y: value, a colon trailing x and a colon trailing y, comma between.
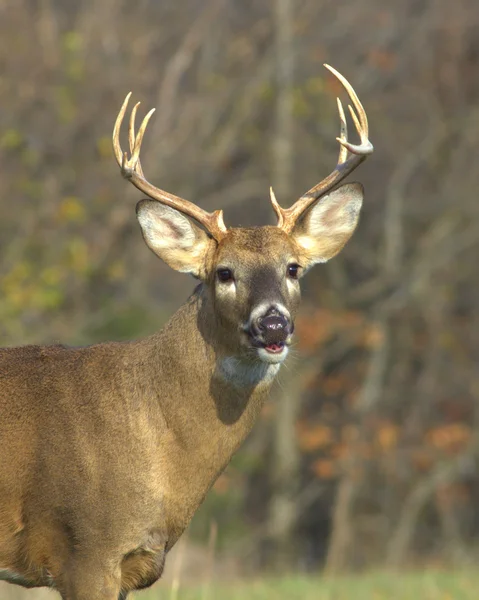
x: 270, y: 332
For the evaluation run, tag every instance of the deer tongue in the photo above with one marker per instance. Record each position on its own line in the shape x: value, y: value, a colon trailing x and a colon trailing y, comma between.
x: 275, y: 348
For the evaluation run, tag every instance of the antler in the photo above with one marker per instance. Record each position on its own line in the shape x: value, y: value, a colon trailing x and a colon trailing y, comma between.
x: 131, y: 170
x: 287, y: 217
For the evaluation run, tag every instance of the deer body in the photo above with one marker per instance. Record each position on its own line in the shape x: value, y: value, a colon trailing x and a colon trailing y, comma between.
x: 107, y: 451
x: 115, y: 431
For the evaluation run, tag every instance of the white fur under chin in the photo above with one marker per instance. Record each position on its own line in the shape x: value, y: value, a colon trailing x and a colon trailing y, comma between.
x: 241, y: 373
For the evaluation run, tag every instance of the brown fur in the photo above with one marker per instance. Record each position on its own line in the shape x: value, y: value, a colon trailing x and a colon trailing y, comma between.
x: 97, y: 457
x: 107, y: 451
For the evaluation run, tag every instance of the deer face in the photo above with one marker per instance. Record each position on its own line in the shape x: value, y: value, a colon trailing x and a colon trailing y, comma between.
x: 253, y: 274
x: 254, y: 279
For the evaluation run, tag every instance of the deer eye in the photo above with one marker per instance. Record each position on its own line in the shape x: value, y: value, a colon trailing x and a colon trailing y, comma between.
x: 224, y: 275
x: 293, y: 271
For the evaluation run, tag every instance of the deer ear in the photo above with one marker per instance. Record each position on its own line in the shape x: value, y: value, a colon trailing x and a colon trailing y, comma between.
x: 174, y: 237
x: 329, y: 224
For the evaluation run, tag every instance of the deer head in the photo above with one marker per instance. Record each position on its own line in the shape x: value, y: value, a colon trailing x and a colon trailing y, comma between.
x: 252, y: 274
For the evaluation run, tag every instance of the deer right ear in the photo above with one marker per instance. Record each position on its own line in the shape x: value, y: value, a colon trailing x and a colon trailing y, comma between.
x: 174, y: 237
x: 329, y: 224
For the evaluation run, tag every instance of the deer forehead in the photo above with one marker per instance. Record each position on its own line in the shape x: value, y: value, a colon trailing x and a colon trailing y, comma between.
x: 254, y: 246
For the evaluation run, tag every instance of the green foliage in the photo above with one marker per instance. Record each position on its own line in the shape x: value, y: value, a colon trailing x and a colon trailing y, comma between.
x: 66, y: 104
x: 73, y: 56
x: 72, y: 209
x: 123, y: 323
x: 11, y: 139
x: 427, y: 585
x: 26, y: 287
x: 224, y: 508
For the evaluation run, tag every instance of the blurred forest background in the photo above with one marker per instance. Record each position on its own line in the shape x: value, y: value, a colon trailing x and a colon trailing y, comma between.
x: 367, y: 455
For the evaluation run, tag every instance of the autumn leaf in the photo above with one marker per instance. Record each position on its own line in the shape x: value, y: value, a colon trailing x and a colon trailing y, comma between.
x: 311, y: 438
x: 324, y: 468
x: 387, y: 436
x: 449, y: 438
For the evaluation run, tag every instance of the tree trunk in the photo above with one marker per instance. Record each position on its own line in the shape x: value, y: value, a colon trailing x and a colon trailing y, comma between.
x: 342, y: 531
x: 285, y: 458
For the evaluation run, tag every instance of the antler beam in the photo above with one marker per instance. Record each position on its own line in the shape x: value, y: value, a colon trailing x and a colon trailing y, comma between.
x: 287, y: 217
x: 131, y: 170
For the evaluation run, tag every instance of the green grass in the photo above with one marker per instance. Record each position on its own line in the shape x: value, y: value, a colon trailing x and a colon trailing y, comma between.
x: 429, y: 585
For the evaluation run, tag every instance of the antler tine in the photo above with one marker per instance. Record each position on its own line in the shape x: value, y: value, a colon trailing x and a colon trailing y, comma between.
x: 131, y: 170
x: 132, y: 136
x: 120, y: 158
x: 131, y: 128
x: 287, y: 217
x: 277, y: 208
x: 343, y: 151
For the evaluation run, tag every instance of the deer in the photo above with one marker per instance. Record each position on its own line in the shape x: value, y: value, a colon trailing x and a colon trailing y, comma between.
x: 107, y: 451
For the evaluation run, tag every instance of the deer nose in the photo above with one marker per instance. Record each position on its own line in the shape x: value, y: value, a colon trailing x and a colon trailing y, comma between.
x: 274, y: 327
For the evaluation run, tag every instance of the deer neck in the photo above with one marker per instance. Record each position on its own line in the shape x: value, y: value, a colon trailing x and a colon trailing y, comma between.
x: 209, y: 400
x: 209, y: 397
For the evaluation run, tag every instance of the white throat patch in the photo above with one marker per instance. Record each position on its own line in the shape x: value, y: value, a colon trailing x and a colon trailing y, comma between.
x: 244, y: 374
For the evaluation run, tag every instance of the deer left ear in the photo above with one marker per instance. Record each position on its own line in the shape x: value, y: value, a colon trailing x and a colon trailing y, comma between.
x: 174, y: 237
x: 329, y: 224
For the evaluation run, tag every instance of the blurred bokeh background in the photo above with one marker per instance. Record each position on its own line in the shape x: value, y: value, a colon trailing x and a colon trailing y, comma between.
x: 367, y: 455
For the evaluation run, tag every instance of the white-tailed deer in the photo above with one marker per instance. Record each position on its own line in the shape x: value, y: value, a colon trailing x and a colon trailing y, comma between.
x: 107, y: 451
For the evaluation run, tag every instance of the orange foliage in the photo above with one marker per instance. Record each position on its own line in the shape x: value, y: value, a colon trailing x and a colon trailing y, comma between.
x: 324, y: 468
x: 422, y: 460
x: 334, y: 384
x: 373, y: 336
x: 350, y: 319
x: 449, y: 438
x: 313, y: 437
x: 387, y: 436
x: 316, y: 327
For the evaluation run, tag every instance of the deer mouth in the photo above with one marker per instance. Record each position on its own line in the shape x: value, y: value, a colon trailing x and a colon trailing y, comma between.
x: 271, y: 351
x: 275, y: 347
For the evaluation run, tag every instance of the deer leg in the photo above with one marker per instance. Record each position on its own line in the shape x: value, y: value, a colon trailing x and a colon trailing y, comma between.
x: 85, y: 592
x: 122, y: 596
x: 91, y: 582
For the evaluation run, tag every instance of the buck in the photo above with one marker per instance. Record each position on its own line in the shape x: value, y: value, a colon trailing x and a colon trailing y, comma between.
x: 107, y: 451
